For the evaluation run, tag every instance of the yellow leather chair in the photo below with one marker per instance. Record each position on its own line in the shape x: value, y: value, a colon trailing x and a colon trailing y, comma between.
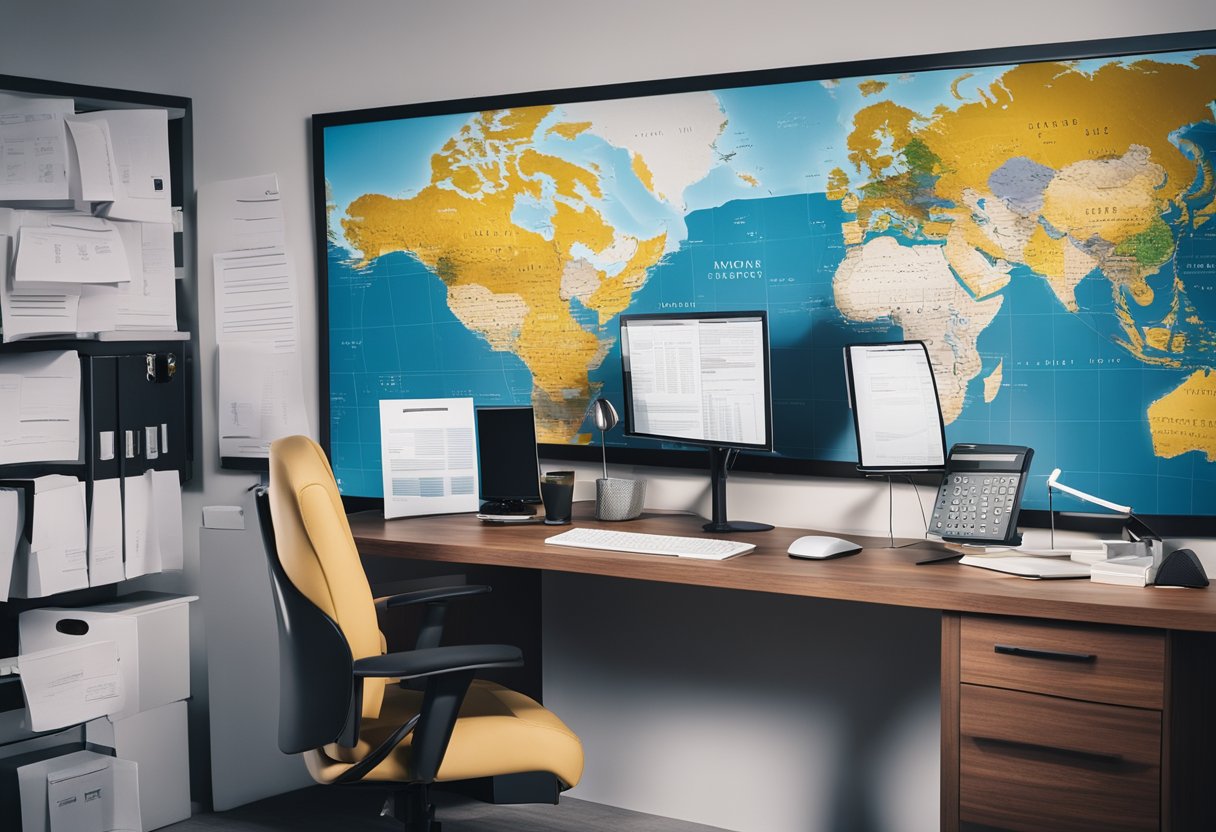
x: 346, y: 704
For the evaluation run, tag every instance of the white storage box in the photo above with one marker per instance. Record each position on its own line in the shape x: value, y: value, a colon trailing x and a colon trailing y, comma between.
x: 151, y: 629
x: 157, y: 742
x: 79, y: 792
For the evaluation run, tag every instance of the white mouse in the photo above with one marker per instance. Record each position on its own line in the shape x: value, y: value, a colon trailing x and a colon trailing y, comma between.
x: 819, y: 547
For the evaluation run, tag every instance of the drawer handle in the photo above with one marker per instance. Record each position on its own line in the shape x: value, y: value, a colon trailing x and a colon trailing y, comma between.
x: 1093, y: 758
x: 1035, y: 653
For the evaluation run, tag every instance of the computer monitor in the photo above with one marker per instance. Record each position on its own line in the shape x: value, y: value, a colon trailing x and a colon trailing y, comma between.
x: 700, y: 379
x: 506, y: 456
x: 896, y: 412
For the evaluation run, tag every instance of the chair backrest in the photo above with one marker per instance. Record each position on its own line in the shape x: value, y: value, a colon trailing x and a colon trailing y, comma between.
x: 317, y: 552
x: 316, y: 688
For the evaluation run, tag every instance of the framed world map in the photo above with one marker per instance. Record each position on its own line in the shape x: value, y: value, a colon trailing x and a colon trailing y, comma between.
x: 1044, y: 218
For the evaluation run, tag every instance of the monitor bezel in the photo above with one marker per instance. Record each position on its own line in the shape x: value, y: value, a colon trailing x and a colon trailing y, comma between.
x: 742, y: 315
x: 773, y: 463
x: 852, y: 385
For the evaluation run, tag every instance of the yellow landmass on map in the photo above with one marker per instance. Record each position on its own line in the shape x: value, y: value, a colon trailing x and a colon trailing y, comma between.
x: 872, y: 87
x: 643, y: 172
x: 570, y: 129
x: 1184, y: 419
x: 1088, y: 166
x: 838, y: 184
x: 510, y: 284
x: 992, y: 381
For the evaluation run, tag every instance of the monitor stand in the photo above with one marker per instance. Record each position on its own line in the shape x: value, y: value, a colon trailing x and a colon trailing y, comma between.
x: 717, y: 480
x: 508, y: 508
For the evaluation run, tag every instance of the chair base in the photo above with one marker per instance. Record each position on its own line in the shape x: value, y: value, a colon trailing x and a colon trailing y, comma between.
x: 526, y: 787
x: 411, y: 806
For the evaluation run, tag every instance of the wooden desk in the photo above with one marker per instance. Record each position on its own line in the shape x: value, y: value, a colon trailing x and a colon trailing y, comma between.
x: 1109, y: 726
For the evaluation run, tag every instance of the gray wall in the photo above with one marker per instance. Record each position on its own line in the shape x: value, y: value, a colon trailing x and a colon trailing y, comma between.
x: 684, y: 697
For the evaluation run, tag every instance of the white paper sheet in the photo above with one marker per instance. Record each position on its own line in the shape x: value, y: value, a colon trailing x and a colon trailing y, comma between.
x: 261, y: 398
x: 141, y: 543
x: 167, y: 516
x: 146, y: 302
x: 71, y: 250
x: 69, y: 685
x: 140, y: 140
x: 428, y: 456
x: 54, y: 558
x: 93, y: 176
x: 105, y: 533
x: 244, y: 213
x: 40, y: 407
x: 255, y: 298
x: 31, y: 311
x: 12, y: 522
x: 33, y: 147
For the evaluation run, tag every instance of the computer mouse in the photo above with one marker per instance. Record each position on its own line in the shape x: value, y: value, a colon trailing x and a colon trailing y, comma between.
x: 819, y: 547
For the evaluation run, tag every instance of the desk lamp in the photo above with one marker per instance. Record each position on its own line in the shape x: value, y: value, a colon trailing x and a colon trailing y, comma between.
x: 615, y: 498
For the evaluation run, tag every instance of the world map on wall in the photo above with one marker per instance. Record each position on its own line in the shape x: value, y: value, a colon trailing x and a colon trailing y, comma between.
x: 1046, y: 228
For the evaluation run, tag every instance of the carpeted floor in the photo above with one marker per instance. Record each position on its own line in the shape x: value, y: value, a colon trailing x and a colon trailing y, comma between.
x: 321, y: 809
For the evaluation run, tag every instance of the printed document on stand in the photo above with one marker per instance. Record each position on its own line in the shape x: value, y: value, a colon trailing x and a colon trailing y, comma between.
x: 428, y: 456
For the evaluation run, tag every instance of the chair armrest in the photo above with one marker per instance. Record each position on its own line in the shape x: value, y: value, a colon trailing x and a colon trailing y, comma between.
x: 433, y: 661
x: 426, y: 596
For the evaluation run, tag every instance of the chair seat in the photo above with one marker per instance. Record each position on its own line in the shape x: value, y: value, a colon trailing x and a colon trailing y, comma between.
x: 499, y: 731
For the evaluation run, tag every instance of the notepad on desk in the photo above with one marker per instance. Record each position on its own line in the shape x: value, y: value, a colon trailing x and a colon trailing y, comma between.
x: 1030, y: 566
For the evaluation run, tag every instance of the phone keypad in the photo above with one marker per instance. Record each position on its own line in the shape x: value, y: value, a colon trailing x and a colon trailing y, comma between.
x: 975, y: 505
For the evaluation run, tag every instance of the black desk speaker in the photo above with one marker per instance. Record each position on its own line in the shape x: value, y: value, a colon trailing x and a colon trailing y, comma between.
x: 1181, y: 567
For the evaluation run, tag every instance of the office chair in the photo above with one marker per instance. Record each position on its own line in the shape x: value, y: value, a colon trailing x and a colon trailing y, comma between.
x: 340, y: 704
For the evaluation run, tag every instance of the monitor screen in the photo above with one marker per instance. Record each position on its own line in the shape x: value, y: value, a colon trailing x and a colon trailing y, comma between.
x: 698, y: 378
x: 896, y: 412
x: 506, y: 454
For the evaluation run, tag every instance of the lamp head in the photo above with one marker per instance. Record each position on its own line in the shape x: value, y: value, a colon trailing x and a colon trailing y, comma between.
x: 604, y: 415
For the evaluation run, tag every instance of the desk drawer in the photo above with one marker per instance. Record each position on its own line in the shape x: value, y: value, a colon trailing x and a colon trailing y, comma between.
x: 1032, y: 762
x: 1115, y: 665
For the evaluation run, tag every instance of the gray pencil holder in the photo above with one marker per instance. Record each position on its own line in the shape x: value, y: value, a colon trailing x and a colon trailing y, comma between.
x: 619, y: 499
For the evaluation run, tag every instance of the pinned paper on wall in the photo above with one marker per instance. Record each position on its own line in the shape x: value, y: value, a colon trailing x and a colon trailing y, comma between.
x: 28, y: 312
x: 40, y: 407
x: 261, y: 398
x: 105, y: 533
x: 71, y: 249
x: 33, y: 148
x: 140, y: 142
x: 255, y: 298
x: 93, y: 177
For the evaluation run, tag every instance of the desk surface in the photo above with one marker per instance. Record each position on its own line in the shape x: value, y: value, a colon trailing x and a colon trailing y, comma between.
x: 877, y: 575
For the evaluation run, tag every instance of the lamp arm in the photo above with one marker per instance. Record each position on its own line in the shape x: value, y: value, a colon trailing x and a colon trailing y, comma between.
x: 1053, y: 482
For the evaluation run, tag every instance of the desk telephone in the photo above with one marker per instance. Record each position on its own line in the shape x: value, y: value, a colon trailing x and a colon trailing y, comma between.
x: 981, y: 494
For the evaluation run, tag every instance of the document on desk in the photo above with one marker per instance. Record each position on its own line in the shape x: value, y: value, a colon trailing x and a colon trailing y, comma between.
x: 1030, y: 566
x: 105, y: 533
x: 40, y: 407
x: 93, y: 176
x: 140, y: 142
x: 68, y: 685
x: 255, y: 298
x: 261, y: 398
x: 33, y: 147
x: 427, y: 456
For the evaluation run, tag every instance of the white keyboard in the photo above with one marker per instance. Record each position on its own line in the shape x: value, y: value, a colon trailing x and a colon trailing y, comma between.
x: 702, y: 548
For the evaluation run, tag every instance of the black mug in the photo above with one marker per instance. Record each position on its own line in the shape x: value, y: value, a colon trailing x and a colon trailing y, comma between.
x: 557, y: 491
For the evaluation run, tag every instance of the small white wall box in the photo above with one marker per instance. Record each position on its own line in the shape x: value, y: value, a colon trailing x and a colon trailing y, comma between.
x: 151, y: 629
x: 59, y: 790
x: 156, y: 741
